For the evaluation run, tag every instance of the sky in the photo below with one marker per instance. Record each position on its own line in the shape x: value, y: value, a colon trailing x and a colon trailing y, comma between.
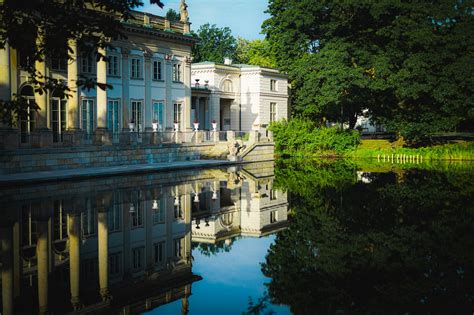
x: 244, y: 17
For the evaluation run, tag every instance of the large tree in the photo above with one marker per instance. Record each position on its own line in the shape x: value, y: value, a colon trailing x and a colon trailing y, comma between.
x: 410, y: 63
x: 215, y: 44
x: 255, y: 52
x: 41, y: 28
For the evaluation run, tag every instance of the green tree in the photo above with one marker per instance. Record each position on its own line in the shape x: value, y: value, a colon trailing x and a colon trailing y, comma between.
x: 41, y: 28
x: 172, y: 15
x: 409, y: 63
x: 256, y: 52
x: 215, y: 44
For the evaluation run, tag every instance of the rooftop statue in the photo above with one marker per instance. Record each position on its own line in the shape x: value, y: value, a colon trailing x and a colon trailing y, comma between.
x: 183, y: 11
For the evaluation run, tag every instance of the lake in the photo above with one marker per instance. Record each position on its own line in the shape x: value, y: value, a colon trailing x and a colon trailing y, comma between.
x: 291, y: 237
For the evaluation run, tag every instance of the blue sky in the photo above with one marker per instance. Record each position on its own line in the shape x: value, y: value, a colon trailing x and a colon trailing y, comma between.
x: 244, y: 17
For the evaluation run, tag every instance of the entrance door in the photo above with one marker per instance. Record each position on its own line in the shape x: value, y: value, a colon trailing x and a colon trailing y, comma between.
x: 58, y: 118
x: 225, y: 115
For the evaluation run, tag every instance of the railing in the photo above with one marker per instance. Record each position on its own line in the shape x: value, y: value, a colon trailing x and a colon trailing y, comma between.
x: 35, y: 140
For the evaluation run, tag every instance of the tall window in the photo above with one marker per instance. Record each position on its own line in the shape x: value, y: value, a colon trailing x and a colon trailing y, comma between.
x: 157, y: 70
x: 113, y: 66
x: 60, y: 221
x: 88, y: 116
x: 178, y: 247
x: 158, y: 115
x: 273, y: 216
x: 115, y: 264
x: 177, y: 72
x: 89, y: 220
x: 227, y: 86
x: 114, y: 218
x: 87, y: 63
x: 273, y: 85
x: 273, y: 194
x: 137, y: 259
x: 136, y: 68
x: 27, y: 118
x: 178, y: 211
x: 113, y: 118
x: 158, y: 212
x: 137, y: 115
x: 58, y: 118
x: 273, y: 112
x: 158, y: 253
x: 58, y: 63
x: 177, y: 113
x: 137, y: 214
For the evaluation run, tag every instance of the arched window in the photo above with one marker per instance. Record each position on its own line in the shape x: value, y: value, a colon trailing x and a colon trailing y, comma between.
x: 27, y: 118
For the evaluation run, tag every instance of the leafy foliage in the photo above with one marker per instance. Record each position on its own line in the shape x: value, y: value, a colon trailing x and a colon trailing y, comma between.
x: 256, y: 52
x: 302, y: 136
x: 409, y: 63
x: 172, y: 15
x: 215, y: 44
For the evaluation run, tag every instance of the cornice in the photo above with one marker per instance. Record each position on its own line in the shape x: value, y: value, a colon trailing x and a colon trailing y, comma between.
x: 168, y: 35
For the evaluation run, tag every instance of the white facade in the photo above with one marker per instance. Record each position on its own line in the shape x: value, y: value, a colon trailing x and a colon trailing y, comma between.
x: 238, y: 97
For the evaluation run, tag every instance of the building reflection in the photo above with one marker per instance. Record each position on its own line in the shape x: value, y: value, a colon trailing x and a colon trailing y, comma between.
x: 86, y: 248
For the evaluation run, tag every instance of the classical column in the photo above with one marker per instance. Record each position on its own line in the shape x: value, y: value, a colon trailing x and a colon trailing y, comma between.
x: 8, y: 138
x: 74, y: 223
x: 101, y: 134
x: 125, y: 90
x: 44, y: 136
x: 168, y: 75
x: 147, y: 113
x: 42, y: 255
x: 103, y: 239
x: 73, y: 108
x: 187, y: 94
x: 6, y: 248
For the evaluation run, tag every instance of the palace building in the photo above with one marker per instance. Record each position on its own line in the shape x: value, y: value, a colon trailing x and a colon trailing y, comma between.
x: 149, y: 72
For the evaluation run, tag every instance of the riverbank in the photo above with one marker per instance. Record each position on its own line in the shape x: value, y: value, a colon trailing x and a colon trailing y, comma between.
x: 386, y: 151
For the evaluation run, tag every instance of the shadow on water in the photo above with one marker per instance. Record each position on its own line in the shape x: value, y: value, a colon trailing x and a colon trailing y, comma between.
x: 396, y: 241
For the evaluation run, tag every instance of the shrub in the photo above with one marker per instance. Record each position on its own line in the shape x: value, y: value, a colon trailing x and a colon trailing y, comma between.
x: 302, y: 136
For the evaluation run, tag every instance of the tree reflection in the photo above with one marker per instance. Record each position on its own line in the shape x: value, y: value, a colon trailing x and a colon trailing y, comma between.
x: 395, y: 243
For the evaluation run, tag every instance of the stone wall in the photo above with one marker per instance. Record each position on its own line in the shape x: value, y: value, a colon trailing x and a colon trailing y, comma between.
x: 48, y: 159
x: 260, y: 152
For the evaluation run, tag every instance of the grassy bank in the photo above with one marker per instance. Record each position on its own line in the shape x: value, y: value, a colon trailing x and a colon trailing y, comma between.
x: 384, y: 150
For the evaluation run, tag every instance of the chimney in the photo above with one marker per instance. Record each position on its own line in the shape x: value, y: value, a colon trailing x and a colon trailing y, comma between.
x: 227, y: 61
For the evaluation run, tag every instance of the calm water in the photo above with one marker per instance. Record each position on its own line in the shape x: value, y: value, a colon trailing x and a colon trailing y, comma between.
x: 301, y: 237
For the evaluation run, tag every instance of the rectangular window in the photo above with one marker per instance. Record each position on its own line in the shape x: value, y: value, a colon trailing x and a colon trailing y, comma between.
x: 157, y: 70
x: 273, y: 112
x: 115, y: 264
x: 178, y: 247
x: 88, y: 116
x: 113, y: 66
x: 137, y: 115
x: 177, y: 72
x: 273, y: 85
x: 273, y: 194
x: 114, y: 218
x: 178, y: 210
x: 89, y: 220
x: 136, y: 68
x: 158, y: 212
x: 158, y: 113
x: 87, y: 63
x: 58, y: 64
x: 158, y: 253
x: 137, y: 259
x: 113, y: 118
x: 273, y: 216
x: 58, y: 118
x: 177, y: 113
